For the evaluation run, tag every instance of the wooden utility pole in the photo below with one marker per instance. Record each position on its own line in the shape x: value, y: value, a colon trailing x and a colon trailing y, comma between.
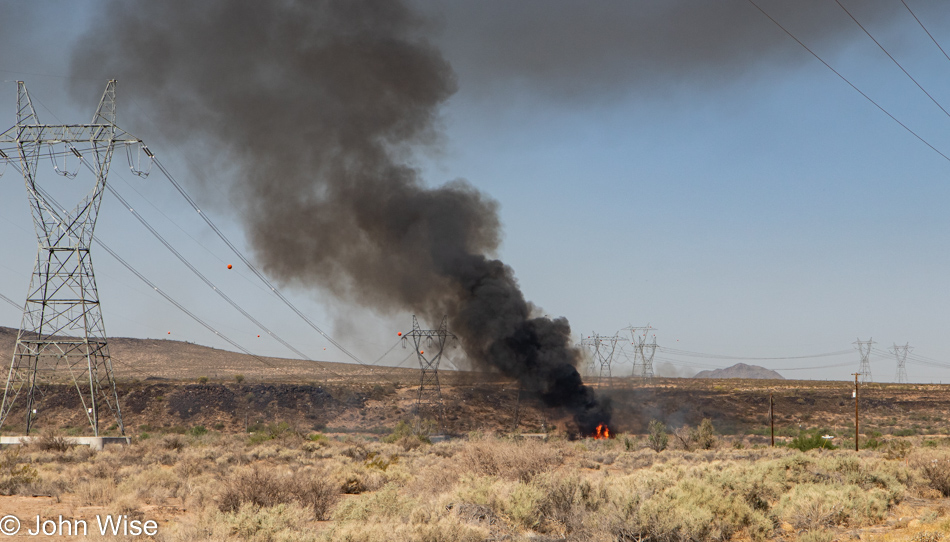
x: 772, y: 418
x: 856, y: 426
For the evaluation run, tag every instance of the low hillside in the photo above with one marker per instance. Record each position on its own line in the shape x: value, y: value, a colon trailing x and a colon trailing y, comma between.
x: 741, y: 370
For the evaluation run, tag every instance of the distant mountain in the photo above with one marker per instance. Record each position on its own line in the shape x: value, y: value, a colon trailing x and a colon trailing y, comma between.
x: 741, y: 370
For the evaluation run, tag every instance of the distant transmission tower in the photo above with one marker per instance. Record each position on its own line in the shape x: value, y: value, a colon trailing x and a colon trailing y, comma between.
x: 602, y: 348
x: 643, y: 351
x: 900, y: 352
x: 62, y: 337
x: 865, y: 348
x: 430, y: 392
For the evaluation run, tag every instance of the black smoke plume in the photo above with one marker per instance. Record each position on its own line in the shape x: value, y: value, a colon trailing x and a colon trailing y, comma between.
x: 320, y: 104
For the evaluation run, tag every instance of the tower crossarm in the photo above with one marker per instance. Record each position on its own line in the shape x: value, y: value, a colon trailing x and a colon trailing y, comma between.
x: 65, y: 133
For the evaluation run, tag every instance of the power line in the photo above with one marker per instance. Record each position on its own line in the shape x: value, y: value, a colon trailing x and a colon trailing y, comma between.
x: 687, y: 353
x: 203, y: 278
x: 11, y: 302
x: 73, y: 151
x: 925, y: 29
x: 250, y: 265
x: 850, y: 84
x: 181, y: 307
x: 898, y: 64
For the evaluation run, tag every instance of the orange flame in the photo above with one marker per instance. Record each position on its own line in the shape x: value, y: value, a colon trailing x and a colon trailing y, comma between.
x: 603, y: 432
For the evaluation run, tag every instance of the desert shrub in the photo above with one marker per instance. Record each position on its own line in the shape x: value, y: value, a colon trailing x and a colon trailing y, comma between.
x: 805, y: 442
x: 683, y: 437
x: 705, y: 435
x: 272, y: 431
x: 173, y: 442
x: 565, y: 502
x: 239, y: 378
x: 96, y: 492
x: 524, y: 506
x: 896, y: 449
x: 629, y: 442
x: 14, y: 472
x: 280, y: 523
x: 809, y: 506
x: 521, y: 460
x: 695, y: 508
x: 935, y: 468
x: 265, y: 488
x: 410, y: 443
x: 404, y: 435
x: 820, y: 535
x: 202, y: 379
x: 153, y: 485
x: 49, y: 440
x: 385, y: 503
x: 197, y: 431
x: 657, y: 438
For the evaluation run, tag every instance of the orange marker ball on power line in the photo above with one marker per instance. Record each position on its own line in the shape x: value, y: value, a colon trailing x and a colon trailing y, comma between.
x: 229, y: 266
x: 422, y: 351
x: 399, y: 334
x: 258, y: 336
x: 169, y: 332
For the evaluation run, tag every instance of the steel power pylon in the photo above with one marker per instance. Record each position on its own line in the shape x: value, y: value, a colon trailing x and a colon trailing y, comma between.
x: 602, y: 348
x: 430, y: 392
x: 865, y: 348
x: 62, y: 337
x: 900, y: 352
x: 643, y: 352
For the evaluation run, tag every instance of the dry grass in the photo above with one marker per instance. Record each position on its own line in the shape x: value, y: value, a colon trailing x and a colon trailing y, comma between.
x: 228, y: 487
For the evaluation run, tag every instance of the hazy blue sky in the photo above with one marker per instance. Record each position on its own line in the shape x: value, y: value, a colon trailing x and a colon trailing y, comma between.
x: 691, y: 167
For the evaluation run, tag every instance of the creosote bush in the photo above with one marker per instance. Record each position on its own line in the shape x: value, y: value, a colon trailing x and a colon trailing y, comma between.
x: 49, y: 440
x: 14, y: 471
x: 935, y: 467
x: 266, y: 488
x: 657, y: 438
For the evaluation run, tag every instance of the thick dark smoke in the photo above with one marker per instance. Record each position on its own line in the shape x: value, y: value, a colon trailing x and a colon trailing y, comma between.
x: 320, y: 104
x: 583, y: 52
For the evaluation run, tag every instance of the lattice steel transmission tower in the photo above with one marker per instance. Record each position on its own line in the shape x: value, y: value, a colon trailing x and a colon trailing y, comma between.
x: 602, y: 348
x: 865, y: 348
x: 900, y: 352
x: 430, y: 391
x: 643, y: 351
x: 62, y: 338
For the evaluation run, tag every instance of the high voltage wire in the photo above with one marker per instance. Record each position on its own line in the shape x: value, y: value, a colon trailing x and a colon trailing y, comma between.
x: 160, y: 291
x: 674, y: 351
x: 68, y: 152
x: 894, y: 60
x: 925, y: 29
x: 815, y: 367
x: 10, y: 301
x: 230, y: 245
x: 850, y: 84
x: 198, y: 273
x: 251, y: 266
